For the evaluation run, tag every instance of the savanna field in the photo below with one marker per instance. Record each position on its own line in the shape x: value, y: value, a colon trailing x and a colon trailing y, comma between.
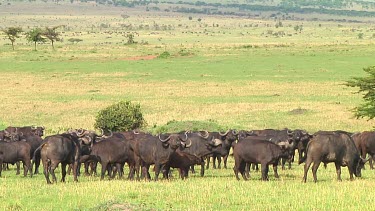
x: 232, y: 71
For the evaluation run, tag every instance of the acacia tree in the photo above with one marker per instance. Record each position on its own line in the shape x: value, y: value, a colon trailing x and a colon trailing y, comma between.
x: 366, y: 86
x: 52, y: 35
x: 35, y: 35
x: 12, y: 33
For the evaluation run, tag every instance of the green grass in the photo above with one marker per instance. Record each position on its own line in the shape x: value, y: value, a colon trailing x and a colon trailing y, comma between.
x: 233, y: 77
x: 218, y: 190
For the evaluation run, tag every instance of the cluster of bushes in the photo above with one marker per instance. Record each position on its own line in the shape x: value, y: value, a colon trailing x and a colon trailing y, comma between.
x: 124, y: 115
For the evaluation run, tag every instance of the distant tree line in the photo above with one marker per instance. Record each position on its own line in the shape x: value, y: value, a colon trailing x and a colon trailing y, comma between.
x: 282, y: 7
x: 36, y: 35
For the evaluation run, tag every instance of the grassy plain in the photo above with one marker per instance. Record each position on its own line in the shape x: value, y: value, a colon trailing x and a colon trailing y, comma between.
x: 230, y: 70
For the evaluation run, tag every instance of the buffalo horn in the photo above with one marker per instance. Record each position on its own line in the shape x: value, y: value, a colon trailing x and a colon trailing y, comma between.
x: 224, y: 134
x: 164, y: 140
x: 188, y: 145
x: 104, y: 136
x: 135, y: 132
x: 205, y: 135
x: 234, y: 132
x: 80, y: 132
x: 186, y: 137
x: 102, y: 133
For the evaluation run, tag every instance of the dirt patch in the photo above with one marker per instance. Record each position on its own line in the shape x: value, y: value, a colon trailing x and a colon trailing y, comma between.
x: 298, y: 111
x: 136, y: 58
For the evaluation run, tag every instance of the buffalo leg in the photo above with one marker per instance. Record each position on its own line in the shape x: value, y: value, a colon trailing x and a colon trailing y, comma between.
x: 165, y: 171
x: 18, y: 167
x: 202, y: 168
x: 104, y: 169
x: 264, y: 168
x: 225, y: 161
x: 370, y: 162
x: 27, y: 167
x: 247, y: 169
x: 86, y: 165
x: 208, y: 162
x: 338, y: 171
x: 46, y: 170
x: 63, y: 171
x: 76, y: 164
x: 351, y: 171
x: 275, y: 170
x: 52, y: 170
x: 131, y: 171
x: 192, y: 169
x: 218, y: 161
x: 93, y: 166
x: 185, y: 172
x: 157, y: 171
x: 70, y: 168
x: 119, y: 170
x: 1, y: 166
x: 306, y: 169
x: 37, y: 164
x: 315, y: 169
x: 283, y: 161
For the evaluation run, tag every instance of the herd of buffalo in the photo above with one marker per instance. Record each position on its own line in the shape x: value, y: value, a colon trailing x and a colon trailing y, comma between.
x: 181, y: 150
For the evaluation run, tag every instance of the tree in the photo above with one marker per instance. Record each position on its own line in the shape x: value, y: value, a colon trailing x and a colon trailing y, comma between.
x: 35, y: 35
x: 366, y: 86
x: 121, y: 116
x: 52, y: 35
x: 12, y: 33
x: 131, y: 40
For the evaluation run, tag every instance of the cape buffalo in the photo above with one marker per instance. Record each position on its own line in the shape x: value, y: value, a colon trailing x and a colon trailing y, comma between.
x: 336, y: 147
x: 61, y: 148
x: 14, y: 151
x: 254, y: 150
x: 151, y: 149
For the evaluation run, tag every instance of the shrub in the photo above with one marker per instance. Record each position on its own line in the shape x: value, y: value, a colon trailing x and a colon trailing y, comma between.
x: 164, y: 55
x: 121, y: 116
x: 177, y: 126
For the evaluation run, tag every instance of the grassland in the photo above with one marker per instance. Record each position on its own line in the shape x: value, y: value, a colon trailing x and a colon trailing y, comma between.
x: 233, y: 71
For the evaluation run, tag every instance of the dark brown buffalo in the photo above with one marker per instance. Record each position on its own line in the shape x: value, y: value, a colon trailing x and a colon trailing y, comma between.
x: 230, y: 136
x: 365, y: 142
x: 204, y: 144
x: 182, y: 161
x: 255, y: 150
x: 86, y: 139
x: 336, y: 147
x: 151, y: 149
x: 112, y: 151
x: 12, y: 152
x: 26, y: 130
x: 56, y: 149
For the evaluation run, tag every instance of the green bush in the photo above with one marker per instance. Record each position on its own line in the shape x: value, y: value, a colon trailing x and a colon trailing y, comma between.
x: 121, y: 116
x: 164, y: 55
x: 177, y: 126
